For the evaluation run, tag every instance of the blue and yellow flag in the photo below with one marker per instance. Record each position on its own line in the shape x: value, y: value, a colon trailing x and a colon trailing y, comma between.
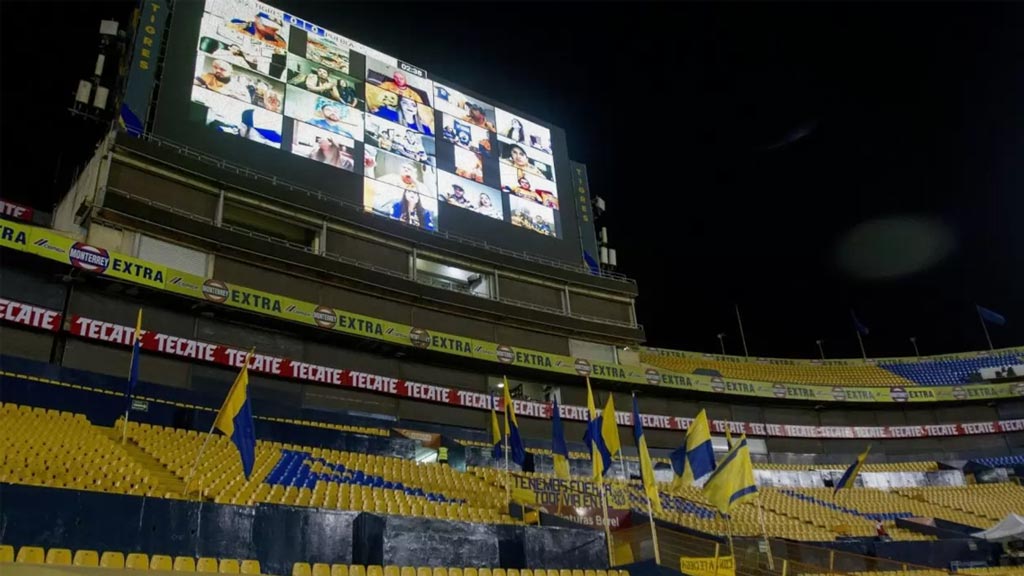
x: 497, y: 450
x: 515, y: 442
x: 851, y: 473
x: 610, y: 428
x: 646, y: 467
x: 733, y: 481
x: 695, y: 459
x: 559, y: 449
x: 133, y: 369
x: 600, y: 457
x: 235, y: 418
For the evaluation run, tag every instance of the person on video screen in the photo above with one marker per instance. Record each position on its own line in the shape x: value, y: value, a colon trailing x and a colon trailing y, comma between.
x: 411, y: 211
x: 517, y: 155
x: 383, y: 104
x: 471, y: 169
x: 458, y: 197
x: 487, y: 208
x: 264, y: 28
x: 261, y: 94
x: 219, y: 79
x: 410, y: 113
x: 331, y: 116
x: 330, y: 152
x: 385, y: 140
x: 541, y: 225
x: 406, y: 178
x: 318, y: 82
x: 412, y: 146
x: 516, y: 132
x: 525, y: 190
x: 477, y: 117
x: 399, y: 85
x: 235, y: 55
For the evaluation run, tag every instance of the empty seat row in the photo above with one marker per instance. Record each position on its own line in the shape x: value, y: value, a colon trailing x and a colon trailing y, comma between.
x: 133, y: 561
x: 323, y: 569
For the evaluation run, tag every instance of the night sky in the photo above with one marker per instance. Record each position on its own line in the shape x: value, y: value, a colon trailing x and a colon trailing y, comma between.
x: 798, y: 160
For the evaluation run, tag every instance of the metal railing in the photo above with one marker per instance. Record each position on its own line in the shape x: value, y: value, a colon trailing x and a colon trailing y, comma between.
x: 451, y: 286
x: 222, y: 164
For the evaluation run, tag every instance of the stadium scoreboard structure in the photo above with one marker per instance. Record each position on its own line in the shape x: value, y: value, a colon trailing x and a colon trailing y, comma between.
x: 259, y: 86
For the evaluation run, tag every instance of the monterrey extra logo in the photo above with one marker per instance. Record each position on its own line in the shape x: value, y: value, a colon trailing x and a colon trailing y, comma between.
x: 419, y: 337
x: 89, y: 258
x: 325, y: 317
x: 215, y: 291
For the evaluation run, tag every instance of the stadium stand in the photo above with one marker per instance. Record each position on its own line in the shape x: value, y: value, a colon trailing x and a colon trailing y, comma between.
x: 902, y: 372
x: 948, y: 371
x: 853, y: 375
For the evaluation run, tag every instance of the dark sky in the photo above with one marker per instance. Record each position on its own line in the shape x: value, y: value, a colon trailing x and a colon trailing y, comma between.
x: 797, y: 159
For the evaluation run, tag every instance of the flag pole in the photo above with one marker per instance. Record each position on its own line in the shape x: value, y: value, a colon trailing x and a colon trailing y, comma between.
x: 508, y: 484
x: 131, y: 370
x: 654, y: 531
x: 728, y: 528
x: 604, y: 520
x: 188, y: 479
x: 764, y: 533
x: 743, y: 338
x: 860, y: 341
x: 984, y: 328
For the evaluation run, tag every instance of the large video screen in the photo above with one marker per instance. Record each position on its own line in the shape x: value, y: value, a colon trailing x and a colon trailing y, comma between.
x: 421, y: 150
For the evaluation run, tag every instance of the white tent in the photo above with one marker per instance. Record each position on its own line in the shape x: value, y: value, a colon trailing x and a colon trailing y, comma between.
x: 1009, y: 528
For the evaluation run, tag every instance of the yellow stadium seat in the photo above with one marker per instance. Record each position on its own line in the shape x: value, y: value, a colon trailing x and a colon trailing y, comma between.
x: 590, y: 573
x: 487, y: 572
x: 58, y: 556
x: 30, y: 555
x: 408, y: 571
x: 356, y: 570
x: 455, y: 572
x: 552, y: 572
x: 6, y: 553
x: 184, y: 564
x: 424, y: 571
x: 137, y: 561
x: 161, y: 562
x: 526, y: 572
x: 301, y: 569
x: 229, y: 566
x: 440, y: 571
x: 498, y: 572
x: 577, y: 572
x: 564, y: 572
x: 467, y: 572
x: 512, y: 572
x: 338, y: 569
x: 251, y: 567
x: 112, y: 559
x: 87, y: 558
x: 392, y: 570
x: 207, y: 565
x: 374, y: 570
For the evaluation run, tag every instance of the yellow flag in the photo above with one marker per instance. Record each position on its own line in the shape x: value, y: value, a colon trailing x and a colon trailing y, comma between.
x: 609, y: 427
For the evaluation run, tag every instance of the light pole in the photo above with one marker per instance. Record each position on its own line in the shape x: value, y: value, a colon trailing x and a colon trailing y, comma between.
x: 913, y: 340
x: 821, y: 347
x: 721, y: 341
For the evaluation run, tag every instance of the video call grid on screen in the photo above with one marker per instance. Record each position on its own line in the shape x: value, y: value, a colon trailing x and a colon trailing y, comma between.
x: 266, y: 76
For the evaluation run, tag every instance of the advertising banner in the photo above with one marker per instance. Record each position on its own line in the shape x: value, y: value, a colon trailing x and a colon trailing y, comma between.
x: 576, y: 493
x: 52, y: 245
x: 709, y: 566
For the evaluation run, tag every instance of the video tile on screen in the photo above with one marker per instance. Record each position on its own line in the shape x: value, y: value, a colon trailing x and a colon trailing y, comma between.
x: 229, y: 116
x: 405, y: 142
x: 390, y: 78
x: 323, y: 81
x: 528, y: 186
x: 519, y: 157
x: 398, y: 171
x: 223, y: 42
x: 469, y: 165
x: 465, y: 135
x: 472, y: 110
x: 467, y: 194
x: 401, y: 204
x: 240, y: 83
x: 252, y: 20
x: 323, y: 113
x: 323, y: 146
x: 399, y: 109
x: 512, y: 128
x: 532, y: 216
x: 327, y: 53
